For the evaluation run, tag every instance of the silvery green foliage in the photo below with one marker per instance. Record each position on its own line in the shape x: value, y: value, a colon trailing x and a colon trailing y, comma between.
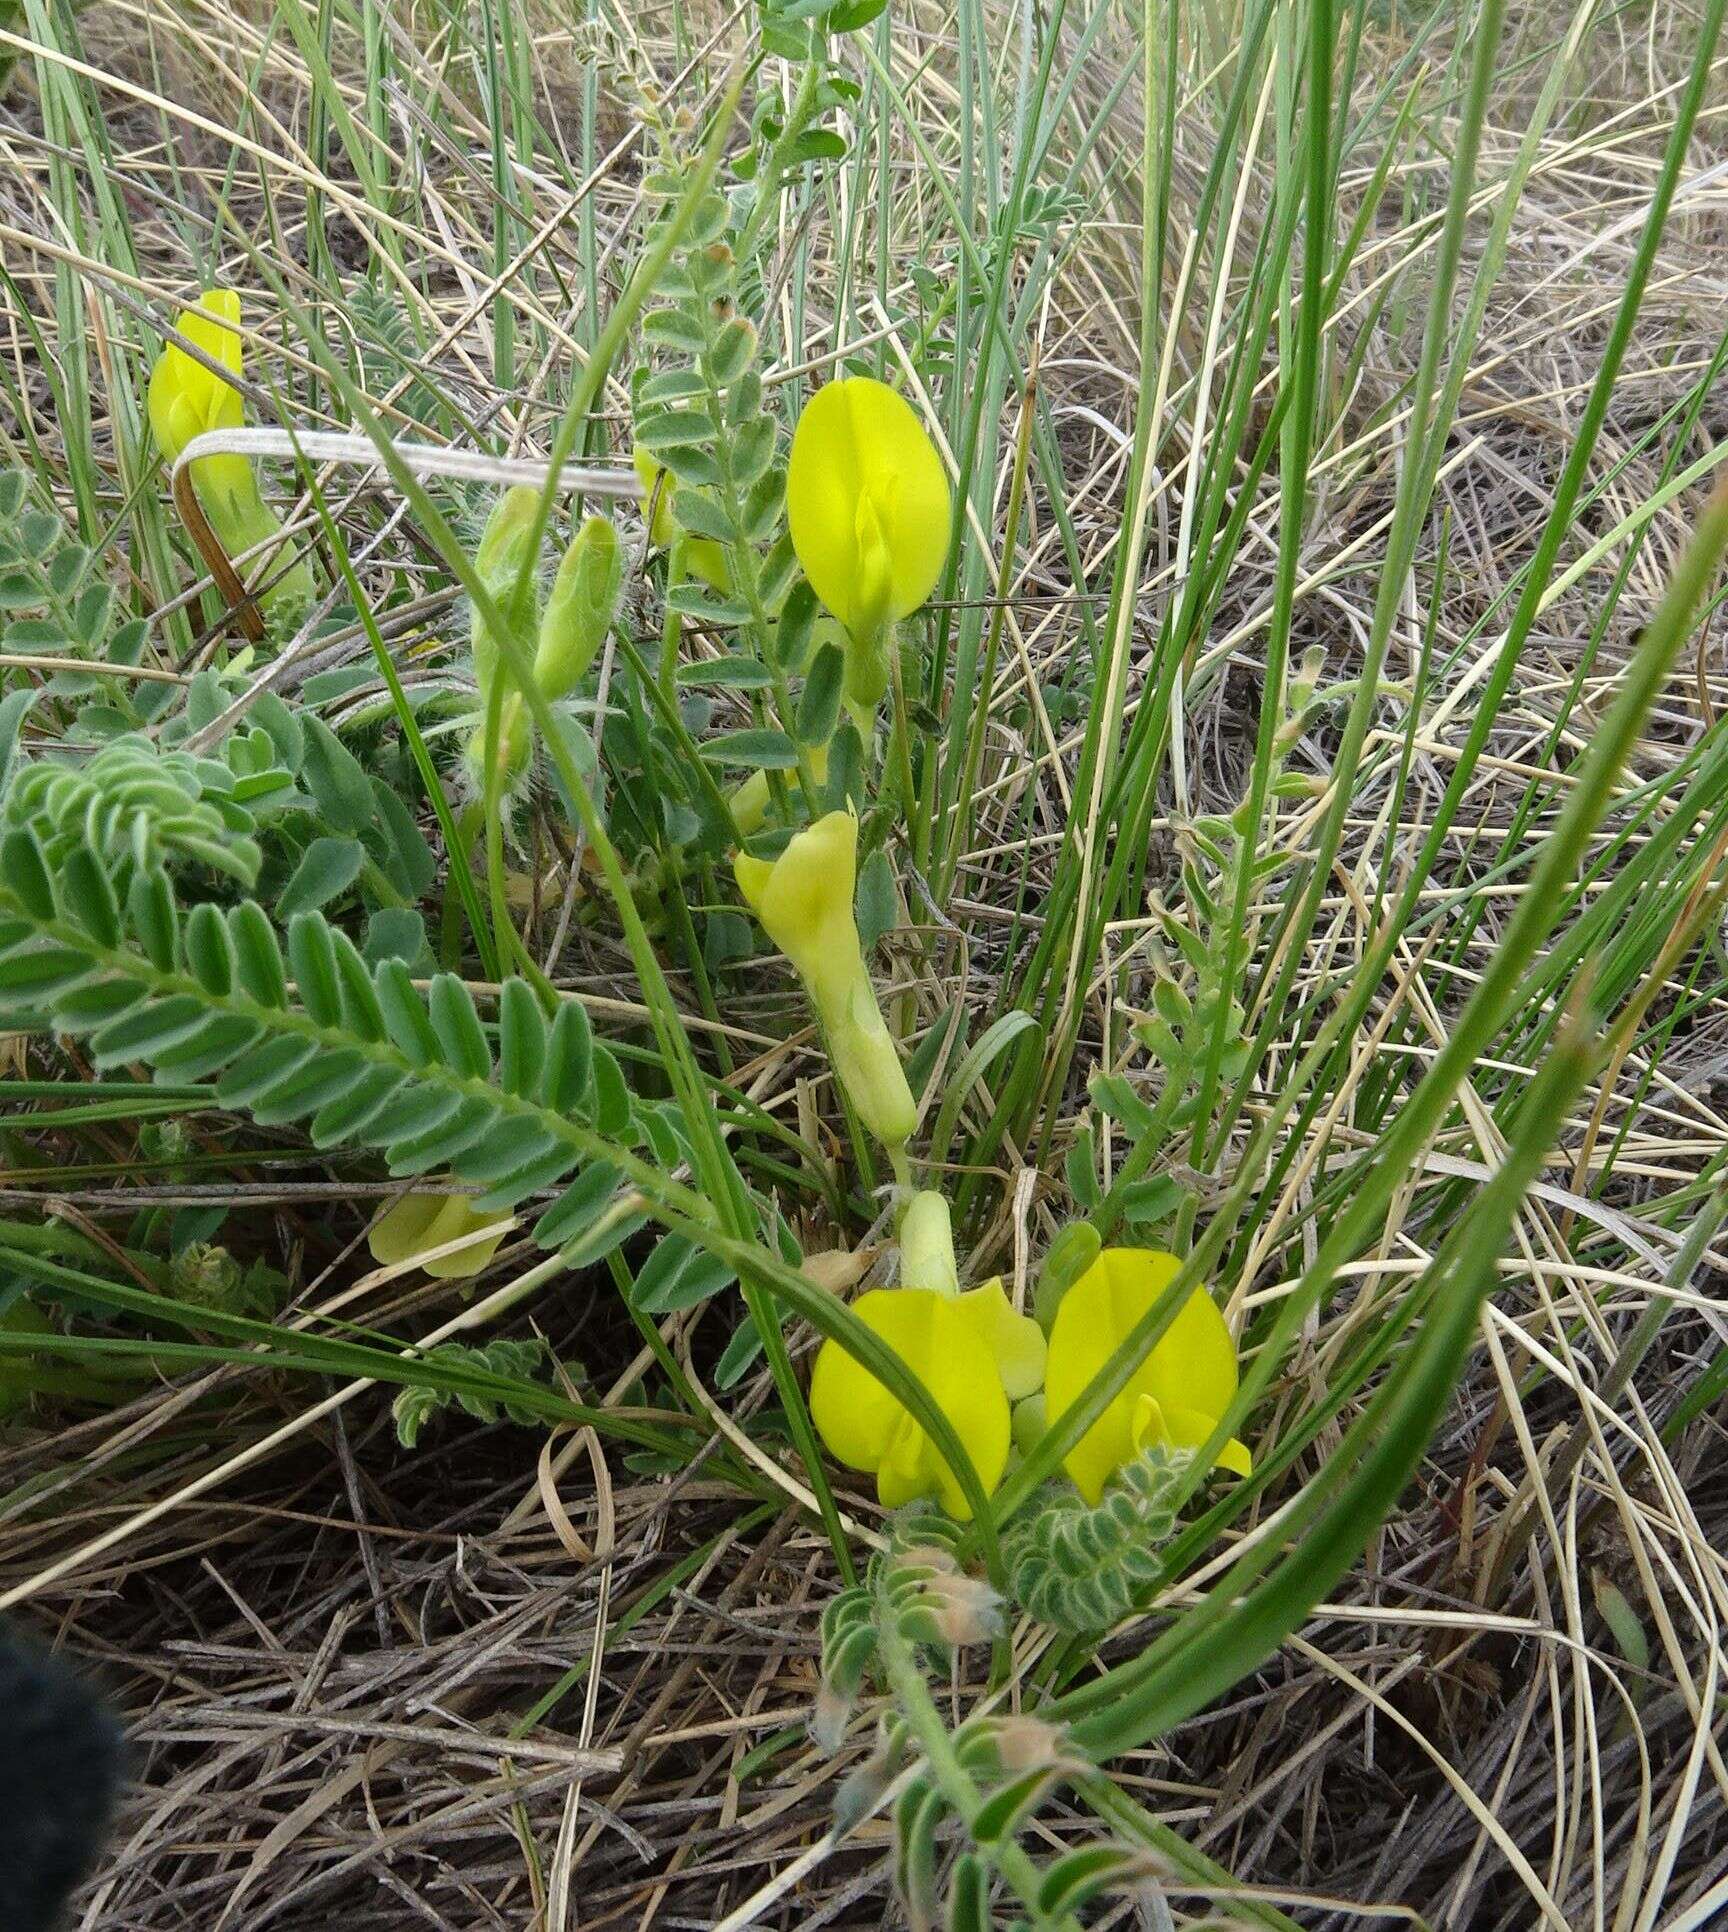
x: 917, y: 1597
x: 136, y: 808
x: 1083, y: 1569
x: 518, y: 1360
x: 54, y: 603
x: 390, y: 354
x: 280, y: 807
x: 98, y: 946
x: 1196, y: 1034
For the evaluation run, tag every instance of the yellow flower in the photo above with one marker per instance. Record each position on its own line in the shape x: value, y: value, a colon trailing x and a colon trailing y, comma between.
x: 804, y: 901
x: 662, y: 527
x: 419, y: 1223
x: 1176, y: 1395
x: 868, y: 505
x: 184, y: 400
x: 971, y: 1351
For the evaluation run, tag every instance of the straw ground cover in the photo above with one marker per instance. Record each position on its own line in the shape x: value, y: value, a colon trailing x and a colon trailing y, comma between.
x: 1290, y: 836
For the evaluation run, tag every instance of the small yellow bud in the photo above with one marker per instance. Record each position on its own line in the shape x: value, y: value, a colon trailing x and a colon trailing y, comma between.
x: 927, y: 1245
x: 750, y: 799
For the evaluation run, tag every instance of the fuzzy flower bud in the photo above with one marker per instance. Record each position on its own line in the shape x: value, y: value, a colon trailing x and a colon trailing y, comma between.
x: 498, y: 562
x: 953, y: 1609
x: 580, y: 609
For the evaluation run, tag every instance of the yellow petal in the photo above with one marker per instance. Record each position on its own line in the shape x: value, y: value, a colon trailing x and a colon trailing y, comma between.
x: 854, y: 1414
x: 214, y: 326
x: 419, y: 1223
x: 804, y: 897
x: 866, y: 1428
x: 804, y: 901
x: 1015, y: 1342
x: 754, y: 877
x: 184, y: 398
x: 750, y: 801
x: 482, y: 1236
x: 1194, y: 1363
x: 1189, y: 1428
x: 400, y: 1231
x: 663, y: 528
x: 1192, y: 1367
x: 867, y: 503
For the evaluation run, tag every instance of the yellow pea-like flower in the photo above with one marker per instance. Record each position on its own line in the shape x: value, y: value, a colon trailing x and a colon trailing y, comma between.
x: 657, y: 488
x: 418, y: 1223
x: 868, y: 506
x: 185, y: 399
x: 804, y: 901
x: 971, y: 1351
x: 1175, y: 1396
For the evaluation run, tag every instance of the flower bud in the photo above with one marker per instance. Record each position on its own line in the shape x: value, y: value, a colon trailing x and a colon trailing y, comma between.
x: 927, y: 1245
x: 580, y: 609
x: 956, y: 1609
x: 750, y: 799
x: 498, y: 562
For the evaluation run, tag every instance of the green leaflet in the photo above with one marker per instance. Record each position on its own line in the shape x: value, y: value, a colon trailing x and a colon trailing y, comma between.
x: 360, y: 1053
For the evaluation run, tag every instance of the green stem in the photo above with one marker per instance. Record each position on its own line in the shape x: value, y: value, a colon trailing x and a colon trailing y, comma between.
x: 912, y: 1695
